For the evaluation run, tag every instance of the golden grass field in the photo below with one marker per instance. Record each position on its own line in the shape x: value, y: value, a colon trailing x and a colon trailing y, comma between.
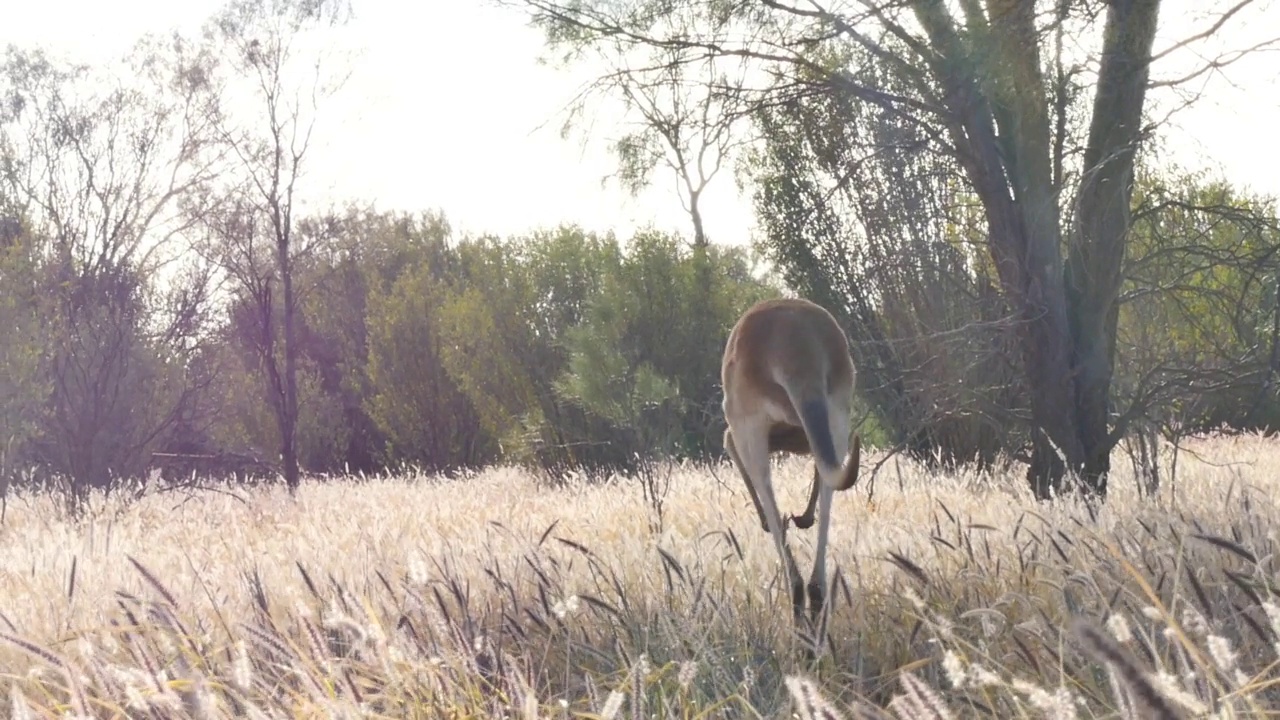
x: 494, y: 597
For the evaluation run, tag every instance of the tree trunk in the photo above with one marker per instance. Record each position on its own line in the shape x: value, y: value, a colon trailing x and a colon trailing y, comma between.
x: 1068, y: 314
x: 1096, y: 251
x: 289, y: 414
x: 706, y: 426
x: 695, y: 215
x: 1011, y: 173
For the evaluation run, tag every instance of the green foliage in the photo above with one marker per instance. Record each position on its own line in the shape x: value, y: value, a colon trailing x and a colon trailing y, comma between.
x: 488, y: 322
x: 647, y: 354
x: 93, y: 161
x: 427, y: 419
x: 323, y: 433
x: 463, y: 353
x: 367, y: 251
x: 242, y: 419
x: 572, y: 352
x: 566, y: 269
x: 1197, y: 328
x: 24, y: 380
x: 115, y: 388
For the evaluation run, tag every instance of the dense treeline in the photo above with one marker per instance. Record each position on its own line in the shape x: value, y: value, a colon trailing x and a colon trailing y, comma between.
x: 563, y: 350
x: 415, y: 349
x: 166, y: 306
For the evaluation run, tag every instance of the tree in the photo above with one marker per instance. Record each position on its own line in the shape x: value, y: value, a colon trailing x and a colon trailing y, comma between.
x: 418, y: 405
x: 24, y: 383
x: 689, y: 134
x: 1199, y: 324
x: 549, y: 281
x: 639, y: 357
x: 497, y: 340
x: 95, y: 163
x: 367, y: 252
x: 253, y: 225
x: 990, y: 84
x: 861, y: 214
x: 685, y: 118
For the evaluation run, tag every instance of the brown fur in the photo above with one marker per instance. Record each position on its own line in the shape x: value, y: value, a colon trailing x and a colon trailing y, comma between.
x: 790, y: 336
x: 788, y: 382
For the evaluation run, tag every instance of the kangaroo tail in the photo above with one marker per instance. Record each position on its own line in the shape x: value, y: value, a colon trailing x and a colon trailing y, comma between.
x: 817, y: 425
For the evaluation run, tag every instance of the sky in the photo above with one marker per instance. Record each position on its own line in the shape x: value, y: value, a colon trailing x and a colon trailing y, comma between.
x: 448, y: 109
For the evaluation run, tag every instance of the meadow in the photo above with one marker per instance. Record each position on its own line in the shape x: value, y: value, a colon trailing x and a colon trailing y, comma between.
x: 495, y: 596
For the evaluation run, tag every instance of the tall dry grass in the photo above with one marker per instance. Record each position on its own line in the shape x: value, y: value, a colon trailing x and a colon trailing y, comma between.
x: 956, y: 596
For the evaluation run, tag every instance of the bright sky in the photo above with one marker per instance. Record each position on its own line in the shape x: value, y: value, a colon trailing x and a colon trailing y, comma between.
x: 444, y: 107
